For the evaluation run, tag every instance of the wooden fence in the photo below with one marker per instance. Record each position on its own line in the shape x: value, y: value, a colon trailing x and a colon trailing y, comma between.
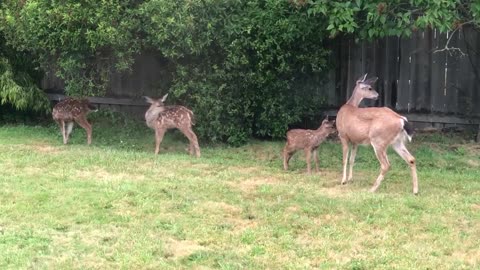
x: 415, y: 75
x: 415, y: 78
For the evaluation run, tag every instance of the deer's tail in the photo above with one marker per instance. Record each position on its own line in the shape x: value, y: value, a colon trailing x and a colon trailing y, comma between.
x: 192, y: 117
x: 407, y: 128
x: 92, y: 107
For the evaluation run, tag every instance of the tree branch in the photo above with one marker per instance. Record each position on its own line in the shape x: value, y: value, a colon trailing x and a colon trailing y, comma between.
x: 453, y: 49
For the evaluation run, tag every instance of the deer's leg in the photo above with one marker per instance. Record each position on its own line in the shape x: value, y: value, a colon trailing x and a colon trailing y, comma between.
x: 402, y: 151
x: 344, y: 159
x: 381, y: 153
x: 191, y: 149
x: 159, y: 132
x: 287, y: 155
x: 69, y: 129
x: 82, y: 121
x: 308, y: 153
x: 353, y: 153
x: 61, y: 123
x: 315, y: 159
x: 192, y: 137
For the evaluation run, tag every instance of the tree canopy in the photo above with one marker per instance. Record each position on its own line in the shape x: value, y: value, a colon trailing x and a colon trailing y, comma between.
x: 239, y: 63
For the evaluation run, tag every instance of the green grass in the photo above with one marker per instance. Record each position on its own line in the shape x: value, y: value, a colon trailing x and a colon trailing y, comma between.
x: 114, y: 205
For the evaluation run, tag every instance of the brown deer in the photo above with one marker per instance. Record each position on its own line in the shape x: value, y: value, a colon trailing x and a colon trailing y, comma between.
x: 72, y: 110
x: 308, y: 140
x: 380, y: 127
x: 161, y: 118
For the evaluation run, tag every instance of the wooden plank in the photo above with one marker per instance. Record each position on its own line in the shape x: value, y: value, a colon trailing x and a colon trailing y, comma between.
x: 391, y: 63
x: 403, y: 90
x: 437, y: 75
x: 104, y: 100
x: 355, y: 68
x: 465, y: 74
x: 369, y: 66
x: 342, y: 72
x: 429, y: 118
x: 379, y: 69
x: 467, y: 87
x: 413, y: 70
x: 452, y: 85
x: 475, y: 67
x: 445, y: 119
x: 423, y: 61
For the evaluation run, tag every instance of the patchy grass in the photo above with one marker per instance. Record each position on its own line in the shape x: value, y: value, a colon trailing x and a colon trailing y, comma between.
x: 115, y: 205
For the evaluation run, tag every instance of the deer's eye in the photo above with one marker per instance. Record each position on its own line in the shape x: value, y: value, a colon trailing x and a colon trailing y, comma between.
x: 369, y: 88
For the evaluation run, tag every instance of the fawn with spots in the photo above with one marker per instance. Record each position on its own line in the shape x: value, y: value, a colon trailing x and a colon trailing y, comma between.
x: 308, y: 140
x: 379, y: 127
x: 72, y: 110
x: 161, y: 118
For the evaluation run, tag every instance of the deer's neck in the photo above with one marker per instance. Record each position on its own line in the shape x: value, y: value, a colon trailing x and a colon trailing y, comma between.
x: 152, y: 114
x: 321, y: 132
x: 355, y: 99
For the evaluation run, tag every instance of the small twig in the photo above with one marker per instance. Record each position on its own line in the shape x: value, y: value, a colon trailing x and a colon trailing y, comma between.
x: 450, y: 50
x: 453, y: 49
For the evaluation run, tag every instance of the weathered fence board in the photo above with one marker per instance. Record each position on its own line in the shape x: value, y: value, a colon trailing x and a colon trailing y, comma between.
x: 105, y: 100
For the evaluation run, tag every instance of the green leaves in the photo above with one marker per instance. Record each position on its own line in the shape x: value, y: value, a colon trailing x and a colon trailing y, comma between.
x: 373, y: 19
x: 18, y: 89
x: 79, y: 41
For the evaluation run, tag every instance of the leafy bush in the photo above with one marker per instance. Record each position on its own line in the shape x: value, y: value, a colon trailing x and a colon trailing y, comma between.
x: 18, y: 81
x: 80, y: 41
x: 239, y: 62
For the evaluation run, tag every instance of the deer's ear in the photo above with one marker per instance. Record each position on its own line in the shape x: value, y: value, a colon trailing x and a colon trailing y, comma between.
x: 362, y: 79
x: 371, y: 81
x: 148, y: 99
x: 164, y: 97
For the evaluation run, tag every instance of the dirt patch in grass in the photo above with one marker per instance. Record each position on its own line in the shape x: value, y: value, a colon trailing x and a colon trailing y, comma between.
x: 240, y: 224
x: 246, y: 170
x: 181, y: 248
x: 70, y: 238
x: 222, y: 207
x: 33, y: 171
x: 472, y: 257
x: 230, y: 215
x: 473, y: 163
x: 103, y: 175
x: 476, y: 207
x: 251, y: 184
x: 45, y: 148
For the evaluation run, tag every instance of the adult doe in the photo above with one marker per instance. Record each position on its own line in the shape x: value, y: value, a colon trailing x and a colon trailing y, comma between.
x: 72, y: 110
x: 161, y: 118
x: 380, y: 127
x: 308, y: 140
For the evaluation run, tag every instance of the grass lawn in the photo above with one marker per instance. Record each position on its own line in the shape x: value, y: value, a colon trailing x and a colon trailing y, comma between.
x: 114, y: 205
